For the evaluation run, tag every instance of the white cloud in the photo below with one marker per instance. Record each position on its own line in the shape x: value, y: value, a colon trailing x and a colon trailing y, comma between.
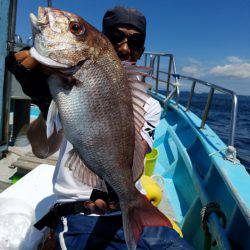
x: 193, y: 70
x: 234, y: 59
x: 233, y: 73
x: 234, y: 67
x: 239, y: 70
x: 194, y: 61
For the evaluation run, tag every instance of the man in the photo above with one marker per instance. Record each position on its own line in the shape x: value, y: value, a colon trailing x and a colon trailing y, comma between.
x: 126, y: 29
x: 75, y: 230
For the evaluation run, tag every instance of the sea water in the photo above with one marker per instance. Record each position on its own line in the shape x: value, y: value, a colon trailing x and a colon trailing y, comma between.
x: 219, y: 120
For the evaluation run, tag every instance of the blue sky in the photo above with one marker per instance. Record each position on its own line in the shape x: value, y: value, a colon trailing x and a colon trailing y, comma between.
x: 210, y: 39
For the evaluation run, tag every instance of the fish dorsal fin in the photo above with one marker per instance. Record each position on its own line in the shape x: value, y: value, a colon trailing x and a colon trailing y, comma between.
x: 139, y: 89
x: 82, y: 173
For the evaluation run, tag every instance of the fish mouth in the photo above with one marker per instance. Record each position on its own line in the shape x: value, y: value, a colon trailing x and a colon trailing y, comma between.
x: 47, y: 61
x: 40, y: 20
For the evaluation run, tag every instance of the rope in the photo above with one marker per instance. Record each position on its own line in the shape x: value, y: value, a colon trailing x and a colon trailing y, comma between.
x: 230, y: 154
x: 206, y: 211
x: 219, y: 151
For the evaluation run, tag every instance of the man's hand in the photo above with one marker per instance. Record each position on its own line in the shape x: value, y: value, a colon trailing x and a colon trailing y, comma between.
x: 43, y: 147
x: 31, y: 77
x: 100, y: 207
x: 25, y: 59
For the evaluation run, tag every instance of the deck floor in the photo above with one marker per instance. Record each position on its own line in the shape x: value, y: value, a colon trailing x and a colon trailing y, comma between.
x: 19, y: 161
x: 29, y: 161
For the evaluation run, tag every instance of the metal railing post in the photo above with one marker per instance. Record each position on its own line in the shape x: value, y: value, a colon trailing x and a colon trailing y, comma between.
x: 169, y: 73
x: 191, y: 96
x: 234, y: 112
x: 177, y: 96
x: 205, y: 115
x: 174, y: 66
x: 157, y: 74
x: 145, y: 59
x: 152, y: 62
x: 8, y: 11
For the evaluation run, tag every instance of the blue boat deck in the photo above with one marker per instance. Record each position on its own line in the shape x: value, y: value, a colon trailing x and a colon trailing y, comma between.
x: 194, y: 165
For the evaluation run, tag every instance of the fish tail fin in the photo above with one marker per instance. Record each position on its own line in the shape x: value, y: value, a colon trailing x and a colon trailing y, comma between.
x: 138, y: 215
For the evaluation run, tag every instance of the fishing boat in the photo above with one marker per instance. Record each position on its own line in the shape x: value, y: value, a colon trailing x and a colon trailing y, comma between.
x: 204, y: 186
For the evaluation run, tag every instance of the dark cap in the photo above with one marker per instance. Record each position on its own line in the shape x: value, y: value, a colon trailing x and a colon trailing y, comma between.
x: 120, y: 16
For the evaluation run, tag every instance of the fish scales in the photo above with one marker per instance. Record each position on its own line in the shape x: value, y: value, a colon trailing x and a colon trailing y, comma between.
x: 97, y: 114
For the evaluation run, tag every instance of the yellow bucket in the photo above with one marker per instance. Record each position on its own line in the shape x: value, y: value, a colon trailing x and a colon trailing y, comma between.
x: 150, y: 162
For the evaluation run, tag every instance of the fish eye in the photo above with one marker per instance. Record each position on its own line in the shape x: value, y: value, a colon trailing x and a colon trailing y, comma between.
x: 76, y: 28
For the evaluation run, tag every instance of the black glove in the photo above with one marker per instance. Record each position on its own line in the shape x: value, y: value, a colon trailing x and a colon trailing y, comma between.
x: 33, y: 82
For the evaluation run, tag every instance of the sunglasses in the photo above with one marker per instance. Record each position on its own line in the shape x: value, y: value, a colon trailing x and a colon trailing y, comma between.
x: 135, y: 41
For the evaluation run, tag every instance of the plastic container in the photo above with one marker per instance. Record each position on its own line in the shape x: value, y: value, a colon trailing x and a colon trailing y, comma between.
x: 16, y: 225
x: 150, y: 162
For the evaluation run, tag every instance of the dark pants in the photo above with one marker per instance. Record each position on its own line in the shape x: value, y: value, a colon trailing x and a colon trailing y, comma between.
x: 80, y: 232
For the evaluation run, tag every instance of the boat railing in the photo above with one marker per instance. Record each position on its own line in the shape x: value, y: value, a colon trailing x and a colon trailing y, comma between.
x: 173, y: 79
x: 153, y: 60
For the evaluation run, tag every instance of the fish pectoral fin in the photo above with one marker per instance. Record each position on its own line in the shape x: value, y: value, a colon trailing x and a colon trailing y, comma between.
x: 82, y: 173
x: 53, y: 119
x: 139, y: 89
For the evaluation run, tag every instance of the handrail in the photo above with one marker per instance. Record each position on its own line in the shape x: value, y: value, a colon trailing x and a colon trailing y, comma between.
x: 171, y: 67
x: 213, y: 87
x: 171, y: 72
